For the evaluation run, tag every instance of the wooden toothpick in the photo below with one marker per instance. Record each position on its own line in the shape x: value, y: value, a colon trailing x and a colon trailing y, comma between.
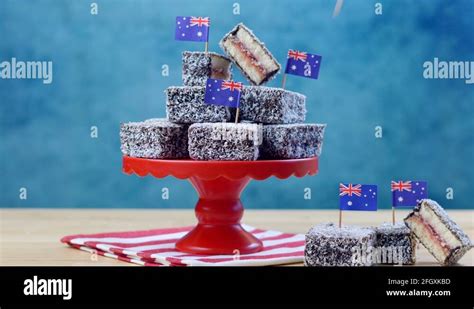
x: 393, y: 215
x: 340, y: 218
x: 283, y: 81
x: 237, y: 115
x: 206, y: 47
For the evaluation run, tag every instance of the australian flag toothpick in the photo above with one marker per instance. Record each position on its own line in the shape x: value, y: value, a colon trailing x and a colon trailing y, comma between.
x: 303, y: 64
x: 190, y: 28
x: 408, y: 193
x: 357, y: 197
x: 222, y: 92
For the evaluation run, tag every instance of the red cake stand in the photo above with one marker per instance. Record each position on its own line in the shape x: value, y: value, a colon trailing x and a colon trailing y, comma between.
x: 219, y: 209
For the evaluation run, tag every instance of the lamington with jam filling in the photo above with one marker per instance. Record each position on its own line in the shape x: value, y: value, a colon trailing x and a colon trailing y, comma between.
x: 199, y: 66
x: 250, y: 55
x: 443, y: 238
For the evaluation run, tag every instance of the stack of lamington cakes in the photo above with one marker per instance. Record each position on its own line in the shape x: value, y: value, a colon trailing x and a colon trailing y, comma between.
x: 270, y: 120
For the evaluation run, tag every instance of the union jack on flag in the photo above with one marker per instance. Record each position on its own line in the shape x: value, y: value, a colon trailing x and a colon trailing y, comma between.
x: 296, y: 55
x: 231, y: 86
x: 222, y: 92
x: 303, y: 64
x: 408, y: 193
x: 190, y: 28
x: 357, y: 197
x: 200, y: 21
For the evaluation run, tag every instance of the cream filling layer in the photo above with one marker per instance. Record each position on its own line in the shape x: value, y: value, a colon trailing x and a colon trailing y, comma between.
x: 256, y: 50
x: 427, y: 237
x: 235, y: 50
x: 433, y: 233
x: 439, y: 227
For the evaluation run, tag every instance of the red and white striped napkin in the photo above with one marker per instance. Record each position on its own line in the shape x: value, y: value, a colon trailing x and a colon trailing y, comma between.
x: 156, y: 248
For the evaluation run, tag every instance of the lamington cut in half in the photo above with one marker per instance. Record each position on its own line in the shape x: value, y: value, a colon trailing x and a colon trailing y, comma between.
x: 250, y: 55
x: 330, y: 245
x: 186, y: 105
x: 292, y: 141
x: 270, y: 105
x: 395, y: 244
x: 224, y: 141
x: 155, y: 139
x: 199, y: 66
x: 443, y: 238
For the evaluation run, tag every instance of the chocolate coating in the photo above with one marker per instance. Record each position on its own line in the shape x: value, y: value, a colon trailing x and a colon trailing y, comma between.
x: 329, y: 245
x: 399, y: 238
x: 224, y: 141
x: 292, y: 141
x: 155, y: 139
x: 186, y: 105
x: 199, y: 66
x: 271, y: 105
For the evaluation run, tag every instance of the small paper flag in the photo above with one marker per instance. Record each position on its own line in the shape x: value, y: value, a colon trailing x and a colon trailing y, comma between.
x: 357, y: 197
x: 190, y: 28
x: 408, y: 193
x: 303, y: 64
x: 222, y: 92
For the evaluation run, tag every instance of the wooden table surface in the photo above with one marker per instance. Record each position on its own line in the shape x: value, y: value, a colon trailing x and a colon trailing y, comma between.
x: 31, y: 236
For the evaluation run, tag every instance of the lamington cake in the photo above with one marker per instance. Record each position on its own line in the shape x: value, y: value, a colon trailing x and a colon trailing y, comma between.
x: 443, y: 238
x: 292, y: 141
x: 199, y: 66
x: 271, y: 105
x: 329, y: 245
x: 186, y: 105
x: 224, y: 141
x: 395, y: 244
x: 155, y: 139
x: 250, y: 55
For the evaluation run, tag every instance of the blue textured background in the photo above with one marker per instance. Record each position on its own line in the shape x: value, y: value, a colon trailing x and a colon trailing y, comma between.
x: 107, y: 69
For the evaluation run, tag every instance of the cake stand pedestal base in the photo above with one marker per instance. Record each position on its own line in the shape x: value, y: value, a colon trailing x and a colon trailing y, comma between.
x: 219, y: 185
x: 219, y: 211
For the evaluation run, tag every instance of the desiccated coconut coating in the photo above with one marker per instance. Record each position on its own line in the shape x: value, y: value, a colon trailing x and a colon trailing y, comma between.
x: 271, y: 105
x: 329, y: 245
x: 199, y: 66
x: 224, y: 141
x: 186, y: 105
x: 395, y: 244
x: 154, y: 138
x: 292, y: 141
x: 441, y: 236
